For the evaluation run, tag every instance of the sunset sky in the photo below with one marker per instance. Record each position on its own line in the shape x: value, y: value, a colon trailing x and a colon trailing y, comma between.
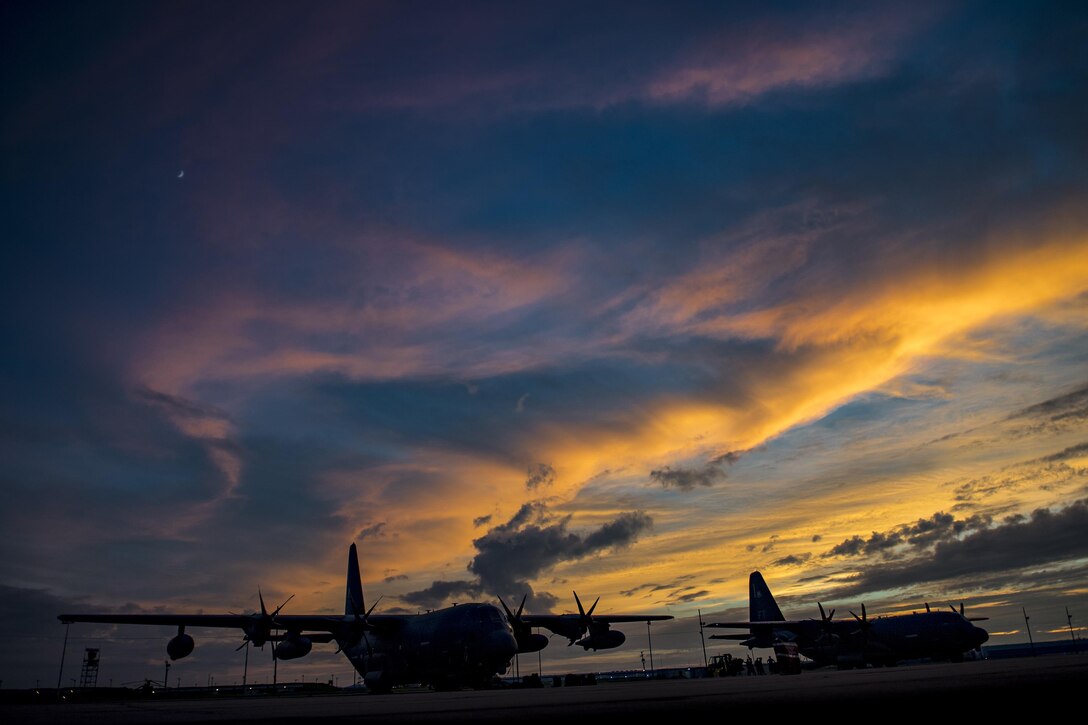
x: 628, y: 298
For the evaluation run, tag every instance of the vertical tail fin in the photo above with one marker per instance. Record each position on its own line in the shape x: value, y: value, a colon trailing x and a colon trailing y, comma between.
x: 353, y: 600
x: 761, y: 604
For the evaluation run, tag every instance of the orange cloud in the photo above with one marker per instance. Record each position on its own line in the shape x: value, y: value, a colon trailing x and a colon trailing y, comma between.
x: 745, y: 62
x: 393, y: 323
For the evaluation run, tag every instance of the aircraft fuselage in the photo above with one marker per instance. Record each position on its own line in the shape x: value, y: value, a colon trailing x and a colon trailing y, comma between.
x: 464, y: 645
x: 937, y: 635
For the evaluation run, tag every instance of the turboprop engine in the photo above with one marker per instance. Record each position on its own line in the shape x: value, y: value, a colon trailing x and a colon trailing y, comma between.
x: 602, y: 639
x: 180, y: 646
x: 293, y: 646
x: 529, y: 642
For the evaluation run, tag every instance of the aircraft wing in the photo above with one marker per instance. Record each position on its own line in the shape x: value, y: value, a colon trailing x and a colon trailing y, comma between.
x: 573, y: 626
x: 318, y: 622
x: 194, y: 620
x: 558, y: 620
x: 618, y: 618
x: 777, y: 624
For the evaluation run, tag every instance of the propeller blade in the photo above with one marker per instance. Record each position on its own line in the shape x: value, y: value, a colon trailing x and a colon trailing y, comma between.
x: 509, y: 614
x: 264, y: 612
x: 521, y: 606
x: 927, y: 607
x: 280, y: 606
x: 581, y: 611
x: 590, y: 612
x: 961, y: 609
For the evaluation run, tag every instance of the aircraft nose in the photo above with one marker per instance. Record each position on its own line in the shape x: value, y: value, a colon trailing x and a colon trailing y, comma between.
x: 979, y: 635
x: 502, y: 645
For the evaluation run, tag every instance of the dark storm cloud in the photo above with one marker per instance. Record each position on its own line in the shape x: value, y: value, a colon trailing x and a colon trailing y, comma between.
x: 1057, y: 414
x: 650, y: 588
x: 984, y: 487
x: 1071, y: 404
x: 729, y: 457
x: 529, y: 544
x: 1077, y: 451
x: 687, y: 479
x: 440, y: 592
x: 688, y: 597
x: 1049, y: 473
x: 792, y: 560
x: 765, y: 548
x: 850, y: 547
x: 540, y: 474
x: 371, y: 531
x: 177, y: 405
x: 1047, y: 537
x: 920, y: 534
x: 511, y: 554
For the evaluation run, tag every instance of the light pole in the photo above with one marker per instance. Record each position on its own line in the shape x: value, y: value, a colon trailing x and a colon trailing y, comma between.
x: 706, y: 662
x: 1027, y: 626
x: 1069, y: 618
x: 63, y: 649
x: 651, y: 644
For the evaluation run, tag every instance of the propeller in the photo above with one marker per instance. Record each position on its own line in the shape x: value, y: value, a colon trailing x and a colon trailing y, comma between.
x: 863, y: 620
x: 259, y: 632
x: 829, y: 635
x: 927, y: 608
x: 585, y: 618
x: 516, y: 622
x: 969, y: 619
x: 360, y: 625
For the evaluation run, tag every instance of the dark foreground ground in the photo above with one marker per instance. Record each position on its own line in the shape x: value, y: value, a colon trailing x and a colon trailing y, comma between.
x: 983, y: 688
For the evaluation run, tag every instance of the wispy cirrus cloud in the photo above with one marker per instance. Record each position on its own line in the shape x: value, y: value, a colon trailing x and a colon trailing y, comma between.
x: 735, y: 64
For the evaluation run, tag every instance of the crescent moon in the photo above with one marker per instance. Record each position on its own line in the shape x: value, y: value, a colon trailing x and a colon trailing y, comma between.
x: 181, y: 173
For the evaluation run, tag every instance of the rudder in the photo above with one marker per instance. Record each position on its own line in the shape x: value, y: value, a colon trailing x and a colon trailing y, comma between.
x: 761, y: 604
x: 353, y: 599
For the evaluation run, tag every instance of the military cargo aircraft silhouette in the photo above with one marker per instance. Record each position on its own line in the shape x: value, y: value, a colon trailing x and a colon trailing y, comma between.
x: 585, y: 629
x: 459, y: 646
x: 862, y: 641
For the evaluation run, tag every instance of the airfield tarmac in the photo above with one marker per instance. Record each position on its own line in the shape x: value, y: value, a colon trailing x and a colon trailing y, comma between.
x: 972, y: 688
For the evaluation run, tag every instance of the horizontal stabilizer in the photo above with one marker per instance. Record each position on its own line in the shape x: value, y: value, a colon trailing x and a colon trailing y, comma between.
x: 777, y: 624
